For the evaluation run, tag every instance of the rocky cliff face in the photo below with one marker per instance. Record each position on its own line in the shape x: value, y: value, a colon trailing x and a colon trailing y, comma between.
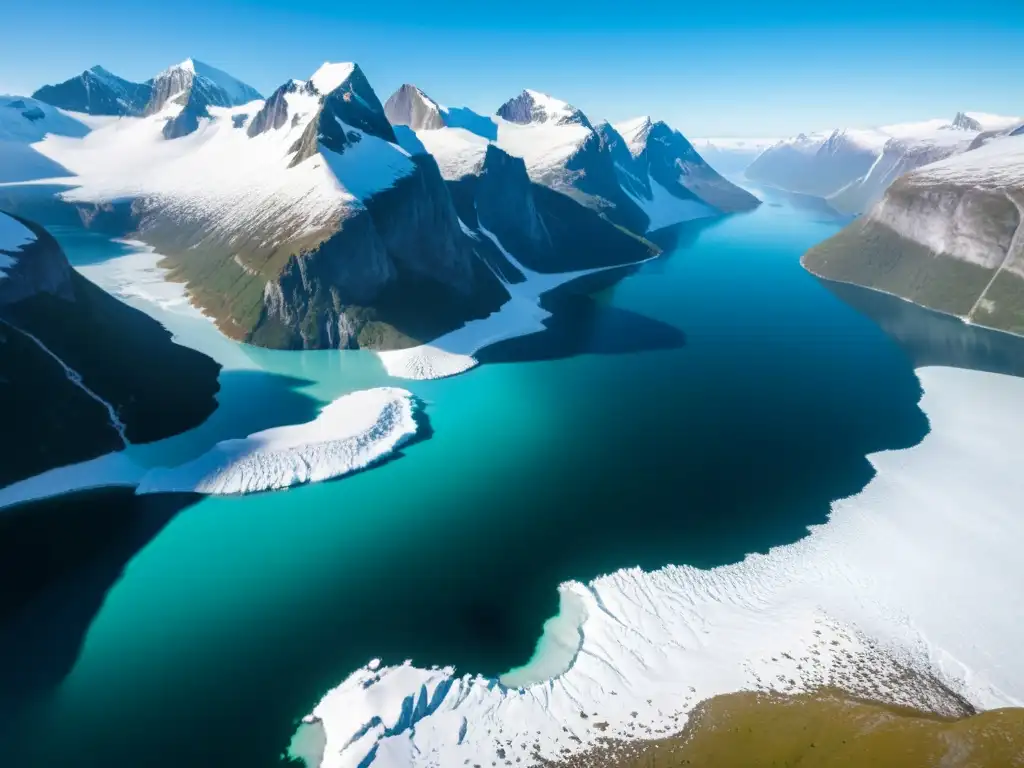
x: 397, y: 273
x: 676, y: 165
x: 71, y: 356
x: 545, y: 230
x: 353, y: 104
x: 97, y: 92
x: 273, y: 115
x: 412, y: 107
x: 947, y: 236
x: 196, y: 87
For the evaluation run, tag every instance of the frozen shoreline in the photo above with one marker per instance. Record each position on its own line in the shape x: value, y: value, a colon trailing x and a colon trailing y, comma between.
x: 351, y: 433
x: 918, y: 570
x: 521, y: 315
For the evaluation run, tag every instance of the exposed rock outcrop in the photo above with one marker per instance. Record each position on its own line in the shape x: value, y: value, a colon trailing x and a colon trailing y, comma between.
x: 412, y: 107
x: 68, y: 351
x: 97, y: 92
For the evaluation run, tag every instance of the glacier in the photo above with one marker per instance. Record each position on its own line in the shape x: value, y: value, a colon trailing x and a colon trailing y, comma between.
x: 916, y: 572
x: 351, y: 433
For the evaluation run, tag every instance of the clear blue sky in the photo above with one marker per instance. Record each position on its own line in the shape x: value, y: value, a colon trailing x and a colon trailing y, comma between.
x: 732, y: 68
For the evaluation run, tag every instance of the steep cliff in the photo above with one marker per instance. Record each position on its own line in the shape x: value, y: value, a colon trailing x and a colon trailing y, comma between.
x: 80, y: 372
x: 947, y: 236
x: 300, y: 224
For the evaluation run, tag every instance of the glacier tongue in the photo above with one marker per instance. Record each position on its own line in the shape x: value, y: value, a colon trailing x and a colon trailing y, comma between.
x: 349, y: 434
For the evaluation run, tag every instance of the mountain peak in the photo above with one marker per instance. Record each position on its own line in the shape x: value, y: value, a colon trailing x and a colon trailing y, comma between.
x: 536, y: 107
x: 412, y: 107
x: 965, y: 122
x: 331, y: 75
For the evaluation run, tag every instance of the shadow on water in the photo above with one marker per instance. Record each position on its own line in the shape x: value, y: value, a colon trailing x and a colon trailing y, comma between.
x: 249, y: 401
x: 932, y: 338
x: 58, y: 559
x: 684, y: 235
x: 580, y: 325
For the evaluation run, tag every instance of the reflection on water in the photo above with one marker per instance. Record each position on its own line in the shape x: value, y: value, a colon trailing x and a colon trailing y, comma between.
x: 933, y: 338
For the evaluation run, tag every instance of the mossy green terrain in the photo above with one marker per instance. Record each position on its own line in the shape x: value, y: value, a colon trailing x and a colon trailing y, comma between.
x: 825, y: 729
x: 870, y: 254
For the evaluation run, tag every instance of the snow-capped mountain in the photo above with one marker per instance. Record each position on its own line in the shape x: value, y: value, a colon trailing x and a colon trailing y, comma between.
x: 23, y: 122
x: 310, y: 220
x: 666, y: 176
x: 199, y: 83
x: 97, y: 92
x: 851, y: 168
x: 565, y: 152
x: 947, y: 235
x: 295, y: 222
x: 533, y: 107
x: 195, y: 87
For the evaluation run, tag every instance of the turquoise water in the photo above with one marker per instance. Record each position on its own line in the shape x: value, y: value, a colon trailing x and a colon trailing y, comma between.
x: 710, y: 405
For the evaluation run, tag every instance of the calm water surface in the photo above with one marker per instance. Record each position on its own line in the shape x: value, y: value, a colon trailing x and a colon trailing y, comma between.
x: 708, y: 406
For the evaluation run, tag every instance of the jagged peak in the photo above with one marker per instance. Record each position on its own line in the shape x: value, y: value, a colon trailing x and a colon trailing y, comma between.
x: 537, y: 107
x: 412, y: 107
x: 964, y: 122
x: 332, y: 75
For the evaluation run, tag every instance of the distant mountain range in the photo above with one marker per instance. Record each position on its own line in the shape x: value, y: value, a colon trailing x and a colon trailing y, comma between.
x: 851, y: 168
x: 319, y: 217
x: 948, y: 235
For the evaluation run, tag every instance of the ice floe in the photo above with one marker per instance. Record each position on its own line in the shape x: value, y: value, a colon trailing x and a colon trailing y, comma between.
x: 349, y: 434
x: 918, y: 570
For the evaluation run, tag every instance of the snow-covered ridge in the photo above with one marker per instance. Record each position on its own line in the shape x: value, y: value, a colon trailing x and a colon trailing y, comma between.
x: 331, y: 75
x: 238, y: 93
x: 852, y: 167
x: 635, y: 132
x: 220, y: 175
x: 997, y: 164
x: 24, y: 120
x: 899, y: 576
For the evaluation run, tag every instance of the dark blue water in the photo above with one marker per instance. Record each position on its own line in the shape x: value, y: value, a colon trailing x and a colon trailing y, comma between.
x: 710, y: 405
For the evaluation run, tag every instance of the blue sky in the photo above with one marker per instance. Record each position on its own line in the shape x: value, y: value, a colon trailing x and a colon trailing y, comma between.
x: 733, y: 68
